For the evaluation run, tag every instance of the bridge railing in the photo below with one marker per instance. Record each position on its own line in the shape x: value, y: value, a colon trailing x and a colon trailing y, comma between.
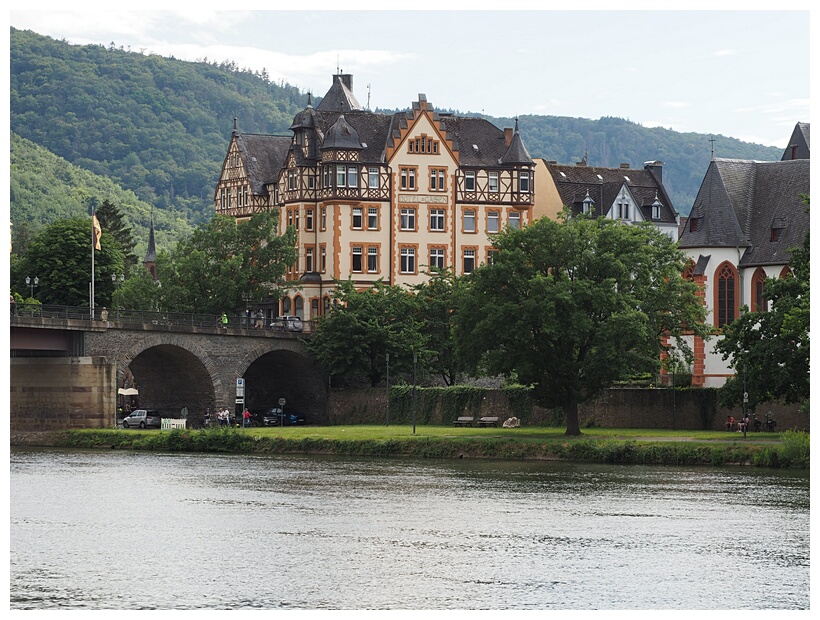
x: 141, y: 317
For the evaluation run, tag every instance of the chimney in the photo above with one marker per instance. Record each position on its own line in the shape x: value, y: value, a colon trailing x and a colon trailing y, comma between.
x: 656, y: 168
x: 508, y: 134
x: 625, y: 166
x: 347, y: 80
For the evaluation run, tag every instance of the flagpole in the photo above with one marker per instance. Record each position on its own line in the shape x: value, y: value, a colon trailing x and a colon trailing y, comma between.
x: 93, y: 243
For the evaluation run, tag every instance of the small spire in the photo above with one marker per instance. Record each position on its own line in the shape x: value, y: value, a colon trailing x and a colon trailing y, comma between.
x: 310, y: 104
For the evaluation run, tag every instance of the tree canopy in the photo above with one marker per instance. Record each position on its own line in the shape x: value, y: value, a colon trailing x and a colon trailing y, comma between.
x: 571, y: 306
x: 222, y: 261
x: 59, y: 255
x: 364, y: 327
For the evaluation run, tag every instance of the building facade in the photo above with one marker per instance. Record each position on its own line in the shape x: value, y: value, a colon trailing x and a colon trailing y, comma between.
x: 379, y: 196
x: 746, y: 219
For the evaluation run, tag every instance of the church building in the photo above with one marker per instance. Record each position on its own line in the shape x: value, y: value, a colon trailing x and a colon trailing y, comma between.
x: 746, y: 219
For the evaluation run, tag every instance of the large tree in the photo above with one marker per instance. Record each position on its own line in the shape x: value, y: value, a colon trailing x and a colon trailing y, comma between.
x: 435, y: 309
x: 59, y: 256
x: 769, y: 351
x: 111, y: 222
x: 224, y: 260
x: 363, y: 327
x: 570, y: 306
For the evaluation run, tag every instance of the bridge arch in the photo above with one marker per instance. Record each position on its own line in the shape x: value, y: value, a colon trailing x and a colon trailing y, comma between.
x: 172, y: 372
x: 280, y: 369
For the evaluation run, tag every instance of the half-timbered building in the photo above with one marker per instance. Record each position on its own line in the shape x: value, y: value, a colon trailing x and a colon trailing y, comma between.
x: 379, y: 196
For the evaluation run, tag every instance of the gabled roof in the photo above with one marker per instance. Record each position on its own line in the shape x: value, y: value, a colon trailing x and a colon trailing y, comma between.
x: 263, y: 157
x: 604, y: 185
x: 740, y: 201
x: 799, y: 146
x: 340, y: 97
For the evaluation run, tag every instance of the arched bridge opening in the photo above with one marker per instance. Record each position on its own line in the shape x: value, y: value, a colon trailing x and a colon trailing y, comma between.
x: 169, y: 378
x: 290, y: 375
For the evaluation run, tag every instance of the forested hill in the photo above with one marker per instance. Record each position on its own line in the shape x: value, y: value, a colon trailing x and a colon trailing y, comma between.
x: 160, y: 126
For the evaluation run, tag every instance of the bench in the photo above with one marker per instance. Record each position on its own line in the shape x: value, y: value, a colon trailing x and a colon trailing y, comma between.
x: 168, y: 423
x: 488, y: 421
x: 464, y: 420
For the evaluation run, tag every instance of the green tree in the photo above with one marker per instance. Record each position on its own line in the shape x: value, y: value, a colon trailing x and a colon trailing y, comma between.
x: 769, y: 351
x: 224, y: 259
x: 435, y: 309
x: 111, y: 222
x: 60, y: 256
x: 571, y: 306
x: 363, y: 327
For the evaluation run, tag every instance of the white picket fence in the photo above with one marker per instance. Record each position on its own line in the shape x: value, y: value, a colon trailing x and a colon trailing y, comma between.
x: 168, y: 423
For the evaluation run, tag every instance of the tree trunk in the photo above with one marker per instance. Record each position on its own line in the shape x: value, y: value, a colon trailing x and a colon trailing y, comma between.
x: 573, y: 425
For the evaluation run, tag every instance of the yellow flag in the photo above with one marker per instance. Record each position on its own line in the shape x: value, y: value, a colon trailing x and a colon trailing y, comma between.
x: 95, y: 224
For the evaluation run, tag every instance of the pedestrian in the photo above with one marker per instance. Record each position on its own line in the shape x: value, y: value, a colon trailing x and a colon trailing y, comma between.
x: 246, y: 418
x: 258, y: 324
x: 104, y: 314
x: 224, y: 320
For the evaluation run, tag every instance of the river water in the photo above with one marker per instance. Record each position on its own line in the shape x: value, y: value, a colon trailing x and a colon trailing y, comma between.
x: 133, y: 530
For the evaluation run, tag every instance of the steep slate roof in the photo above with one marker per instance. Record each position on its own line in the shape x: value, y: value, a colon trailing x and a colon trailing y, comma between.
x: 517, y: 152
x: 340, y: 97
x: 801, y: 139
x: 340, y: 122
x: 604, y: 185
x: 467, y: 133
x: 740, y: 201
x: 264, y: 156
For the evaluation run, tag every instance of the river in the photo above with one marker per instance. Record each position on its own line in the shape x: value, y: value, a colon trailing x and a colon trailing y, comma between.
x: 134, y: 530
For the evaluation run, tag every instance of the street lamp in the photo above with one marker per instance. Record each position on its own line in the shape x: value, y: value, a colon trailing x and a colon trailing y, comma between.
x: 117, y: 282
x: 32, y: 285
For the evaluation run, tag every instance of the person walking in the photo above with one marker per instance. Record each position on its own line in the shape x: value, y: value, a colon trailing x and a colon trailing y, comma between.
x: 246, y: 418
x: 224, y: 320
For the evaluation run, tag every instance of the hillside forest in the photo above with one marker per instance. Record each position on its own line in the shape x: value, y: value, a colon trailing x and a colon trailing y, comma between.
x: 150, y: 133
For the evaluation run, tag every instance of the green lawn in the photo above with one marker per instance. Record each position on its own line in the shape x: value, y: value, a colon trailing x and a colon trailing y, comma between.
x: 539, y: 434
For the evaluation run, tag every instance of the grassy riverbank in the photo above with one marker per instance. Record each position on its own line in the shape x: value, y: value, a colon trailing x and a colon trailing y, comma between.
x: 636, y: 446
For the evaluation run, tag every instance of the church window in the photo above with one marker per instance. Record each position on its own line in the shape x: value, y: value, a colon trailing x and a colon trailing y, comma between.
x: 726, y: 301
x: 758, y: 285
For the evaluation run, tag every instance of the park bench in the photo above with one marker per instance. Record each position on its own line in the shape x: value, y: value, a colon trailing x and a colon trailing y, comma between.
x: 464, y: 420
x: 488, y: 421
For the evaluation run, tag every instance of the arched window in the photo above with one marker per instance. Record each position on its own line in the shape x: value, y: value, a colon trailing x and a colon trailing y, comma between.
x: 786, y: 272
x: 299, y: 307
x: 286, y: 306
x: 725, y: 295
x: 758, y: 284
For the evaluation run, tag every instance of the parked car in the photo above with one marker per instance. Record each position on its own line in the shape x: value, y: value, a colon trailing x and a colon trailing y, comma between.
x: 274, y: 417
x: 287, y: 324
x: 142, y: 418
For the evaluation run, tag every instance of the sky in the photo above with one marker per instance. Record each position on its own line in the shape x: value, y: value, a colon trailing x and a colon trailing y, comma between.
x: 716, y: 70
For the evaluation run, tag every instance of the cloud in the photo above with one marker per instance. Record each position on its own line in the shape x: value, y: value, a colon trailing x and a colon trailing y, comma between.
x: 676, y: 104
x: 720, y: 53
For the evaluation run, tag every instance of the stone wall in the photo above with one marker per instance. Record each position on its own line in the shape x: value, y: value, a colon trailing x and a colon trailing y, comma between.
x: 685, y: 409
x: 62, y: 393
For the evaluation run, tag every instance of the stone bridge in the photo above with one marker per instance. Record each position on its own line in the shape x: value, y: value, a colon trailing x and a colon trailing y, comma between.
x: 56, y: 360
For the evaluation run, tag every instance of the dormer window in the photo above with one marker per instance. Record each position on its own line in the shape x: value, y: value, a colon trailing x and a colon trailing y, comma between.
x: 588, y: 204
x: 656, y: 208
x: 694, y: 224
x: 776, y: 234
